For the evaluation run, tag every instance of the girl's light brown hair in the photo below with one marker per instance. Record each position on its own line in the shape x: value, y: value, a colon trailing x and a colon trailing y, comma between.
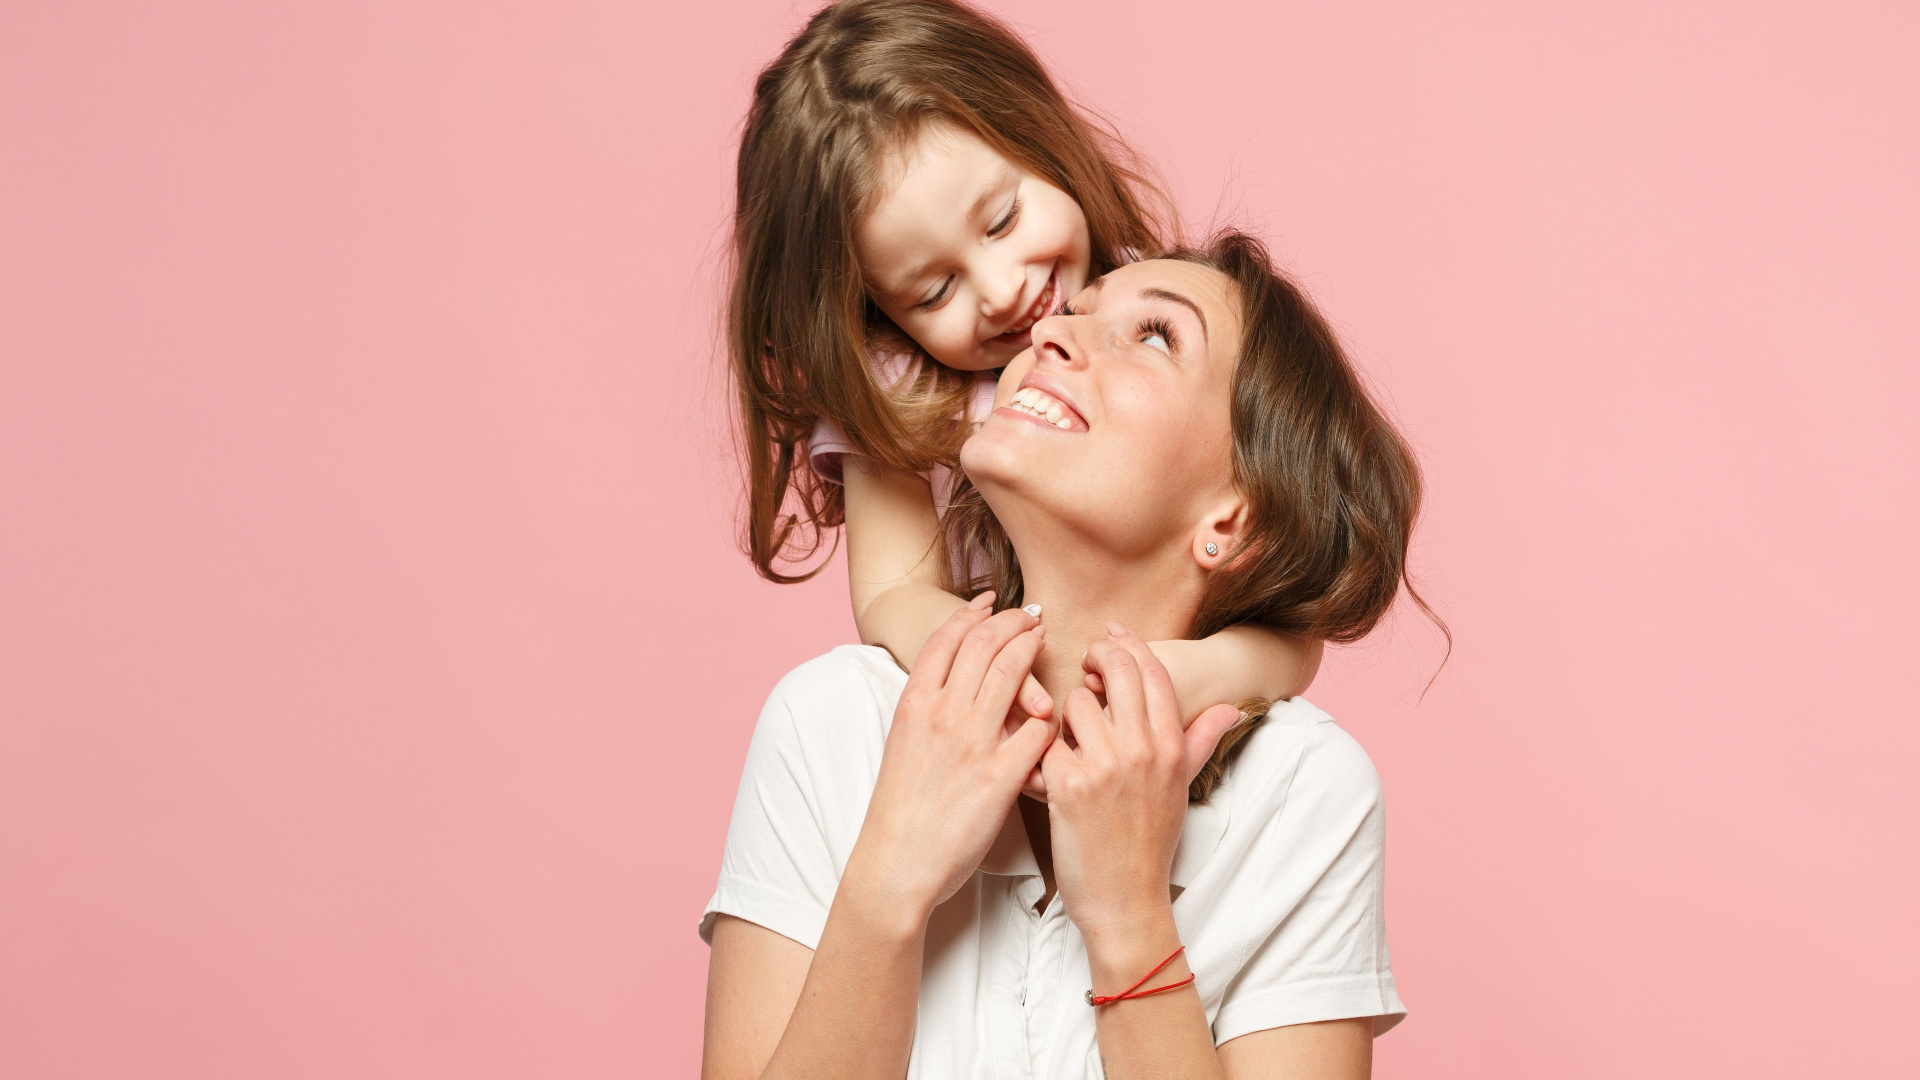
x: 863, y: 77
x: 1332, y: 490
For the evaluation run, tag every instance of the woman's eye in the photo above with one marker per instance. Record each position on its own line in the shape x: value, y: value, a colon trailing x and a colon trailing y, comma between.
x: 1157, y: 334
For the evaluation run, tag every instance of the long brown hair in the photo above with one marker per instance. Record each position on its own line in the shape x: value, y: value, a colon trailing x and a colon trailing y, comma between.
x: 858, y: 81
x: 1332, y: 490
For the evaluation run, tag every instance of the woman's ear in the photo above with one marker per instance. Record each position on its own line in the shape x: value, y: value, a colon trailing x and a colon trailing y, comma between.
x: 1221, y: 529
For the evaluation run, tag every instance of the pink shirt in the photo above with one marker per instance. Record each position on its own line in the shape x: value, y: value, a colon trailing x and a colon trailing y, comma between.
x: 829, y: 444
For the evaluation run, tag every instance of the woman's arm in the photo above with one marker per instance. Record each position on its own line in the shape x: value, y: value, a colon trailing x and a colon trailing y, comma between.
x: 1238, y: 663
x: 1115, y: 807
x: 948, y: 776
x: 895, y: 551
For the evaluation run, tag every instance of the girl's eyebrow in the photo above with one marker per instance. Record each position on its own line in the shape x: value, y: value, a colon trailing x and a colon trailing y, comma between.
x: 1163, y: 294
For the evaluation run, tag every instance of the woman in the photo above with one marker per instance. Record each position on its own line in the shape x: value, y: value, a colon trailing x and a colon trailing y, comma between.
x: 881, y: 911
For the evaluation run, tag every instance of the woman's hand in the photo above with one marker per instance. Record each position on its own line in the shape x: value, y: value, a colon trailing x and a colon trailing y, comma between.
x: 1116, y: 803
x: 952, y: 764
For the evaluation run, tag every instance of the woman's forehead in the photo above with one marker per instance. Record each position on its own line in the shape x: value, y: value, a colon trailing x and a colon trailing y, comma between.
x: 1176, y: 281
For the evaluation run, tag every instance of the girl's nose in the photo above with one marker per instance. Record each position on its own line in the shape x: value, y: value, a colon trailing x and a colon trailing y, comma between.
x: 1000, y: 289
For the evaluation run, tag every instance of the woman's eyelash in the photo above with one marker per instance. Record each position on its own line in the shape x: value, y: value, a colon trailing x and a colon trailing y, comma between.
x: 1157, y: 325
x: 1006, y: 222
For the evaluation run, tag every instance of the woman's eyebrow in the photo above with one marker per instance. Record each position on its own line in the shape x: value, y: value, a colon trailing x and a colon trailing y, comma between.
x: 1163, y: 294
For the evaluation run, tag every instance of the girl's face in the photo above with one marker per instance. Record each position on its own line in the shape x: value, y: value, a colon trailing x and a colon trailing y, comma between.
x: 965, y: 250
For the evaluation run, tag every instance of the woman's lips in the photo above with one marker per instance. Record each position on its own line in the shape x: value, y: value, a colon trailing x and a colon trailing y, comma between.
x: 1032, y: 403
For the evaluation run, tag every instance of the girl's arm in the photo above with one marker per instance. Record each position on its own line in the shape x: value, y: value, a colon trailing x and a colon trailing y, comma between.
x: 1238, y: 663
x: 894, y: 554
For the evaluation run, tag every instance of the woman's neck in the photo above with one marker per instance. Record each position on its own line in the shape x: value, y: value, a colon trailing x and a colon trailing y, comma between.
x: 1155, y: 598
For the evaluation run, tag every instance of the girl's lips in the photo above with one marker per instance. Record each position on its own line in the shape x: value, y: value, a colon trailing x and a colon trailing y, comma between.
x: 1043, y: 306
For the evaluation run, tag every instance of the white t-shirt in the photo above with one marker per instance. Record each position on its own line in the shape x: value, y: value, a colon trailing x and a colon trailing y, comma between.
x: 1279, y: 880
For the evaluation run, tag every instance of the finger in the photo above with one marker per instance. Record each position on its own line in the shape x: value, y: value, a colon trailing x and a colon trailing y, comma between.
x: 1126, y: 696
x: 1163, y: 706
x: 1008, y: 672
x: 1086, y: 721
x: 1027, y: 746
x: 1034, y: 698
x: 980, y: 645
x: 1036, y: 785
x: 1095, y: 683
x: 932, y: 666
x: 1204, y: 734
x: 1058, y: 763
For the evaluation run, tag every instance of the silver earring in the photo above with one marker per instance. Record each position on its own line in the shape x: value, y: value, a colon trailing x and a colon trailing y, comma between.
x: 1213, y: 549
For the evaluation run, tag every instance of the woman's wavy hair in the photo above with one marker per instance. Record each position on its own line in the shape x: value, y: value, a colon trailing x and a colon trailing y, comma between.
x: 861, y: 78
x: 1332, y: 490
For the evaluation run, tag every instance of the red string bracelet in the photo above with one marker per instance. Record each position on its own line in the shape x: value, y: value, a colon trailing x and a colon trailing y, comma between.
x: 1129, y: 991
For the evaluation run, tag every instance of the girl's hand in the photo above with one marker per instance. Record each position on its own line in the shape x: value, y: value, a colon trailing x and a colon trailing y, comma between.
x: 1116, y: 803
x: 952, y: 765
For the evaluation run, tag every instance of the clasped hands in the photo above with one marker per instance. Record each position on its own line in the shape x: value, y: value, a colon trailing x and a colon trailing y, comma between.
x: 960, y: 750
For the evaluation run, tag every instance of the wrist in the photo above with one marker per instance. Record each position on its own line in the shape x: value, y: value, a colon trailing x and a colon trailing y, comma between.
x: 1122, y: 950
x: 883, y: 899
x: 1120, y: 926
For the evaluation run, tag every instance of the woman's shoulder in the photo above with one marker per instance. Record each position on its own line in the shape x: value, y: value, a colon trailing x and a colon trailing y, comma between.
x: 1300, y: 753
x: 844, y: 696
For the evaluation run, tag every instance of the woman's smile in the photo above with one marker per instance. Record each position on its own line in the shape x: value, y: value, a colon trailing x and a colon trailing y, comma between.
x: 1042, y: 399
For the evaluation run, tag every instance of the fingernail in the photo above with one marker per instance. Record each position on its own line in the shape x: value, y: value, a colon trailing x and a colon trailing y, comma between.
x: 1032, y: 609
x: 1116, y: 630
x: 984, y: 600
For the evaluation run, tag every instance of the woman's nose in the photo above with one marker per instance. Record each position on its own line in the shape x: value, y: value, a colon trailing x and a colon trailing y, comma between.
x: 1054, y: 342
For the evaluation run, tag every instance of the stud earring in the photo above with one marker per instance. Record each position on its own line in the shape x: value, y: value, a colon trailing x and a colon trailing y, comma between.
x: 1213, y: 549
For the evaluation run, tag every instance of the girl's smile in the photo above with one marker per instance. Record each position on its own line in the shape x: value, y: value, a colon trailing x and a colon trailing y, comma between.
x: 1047, y: 303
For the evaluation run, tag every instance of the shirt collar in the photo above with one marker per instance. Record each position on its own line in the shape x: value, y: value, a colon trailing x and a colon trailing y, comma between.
x: 1012, y: 856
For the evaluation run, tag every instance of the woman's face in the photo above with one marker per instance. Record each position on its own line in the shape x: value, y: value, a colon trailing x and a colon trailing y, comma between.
x: 1117, y: 423
x: 965, y: 251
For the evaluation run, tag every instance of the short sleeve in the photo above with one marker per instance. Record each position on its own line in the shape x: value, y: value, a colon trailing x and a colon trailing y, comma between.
x: 826, y: 448
x: 1326, y: 958
x: 803, y: 793
x: 828, y: 444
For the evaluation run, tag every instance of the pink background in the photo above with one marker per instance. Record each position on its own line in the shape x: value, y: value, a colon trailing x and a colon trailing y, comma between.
x: 376, y: 665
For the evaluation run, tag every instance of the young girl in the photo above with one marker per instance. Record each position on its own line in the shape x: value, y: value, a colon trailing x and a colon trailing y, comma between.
x: 914, y: 193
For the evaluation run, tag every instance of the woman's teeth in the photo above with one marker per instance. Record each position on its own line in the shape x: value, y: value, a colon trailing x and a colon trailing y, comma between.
x: 1041, y: 404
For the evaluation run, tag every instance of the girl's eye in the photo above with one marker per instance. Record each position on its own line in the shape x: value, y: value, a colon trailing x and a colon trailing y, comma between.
x: 1158, y: 334
x: 931, y: 302
x: 1005, y: 223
